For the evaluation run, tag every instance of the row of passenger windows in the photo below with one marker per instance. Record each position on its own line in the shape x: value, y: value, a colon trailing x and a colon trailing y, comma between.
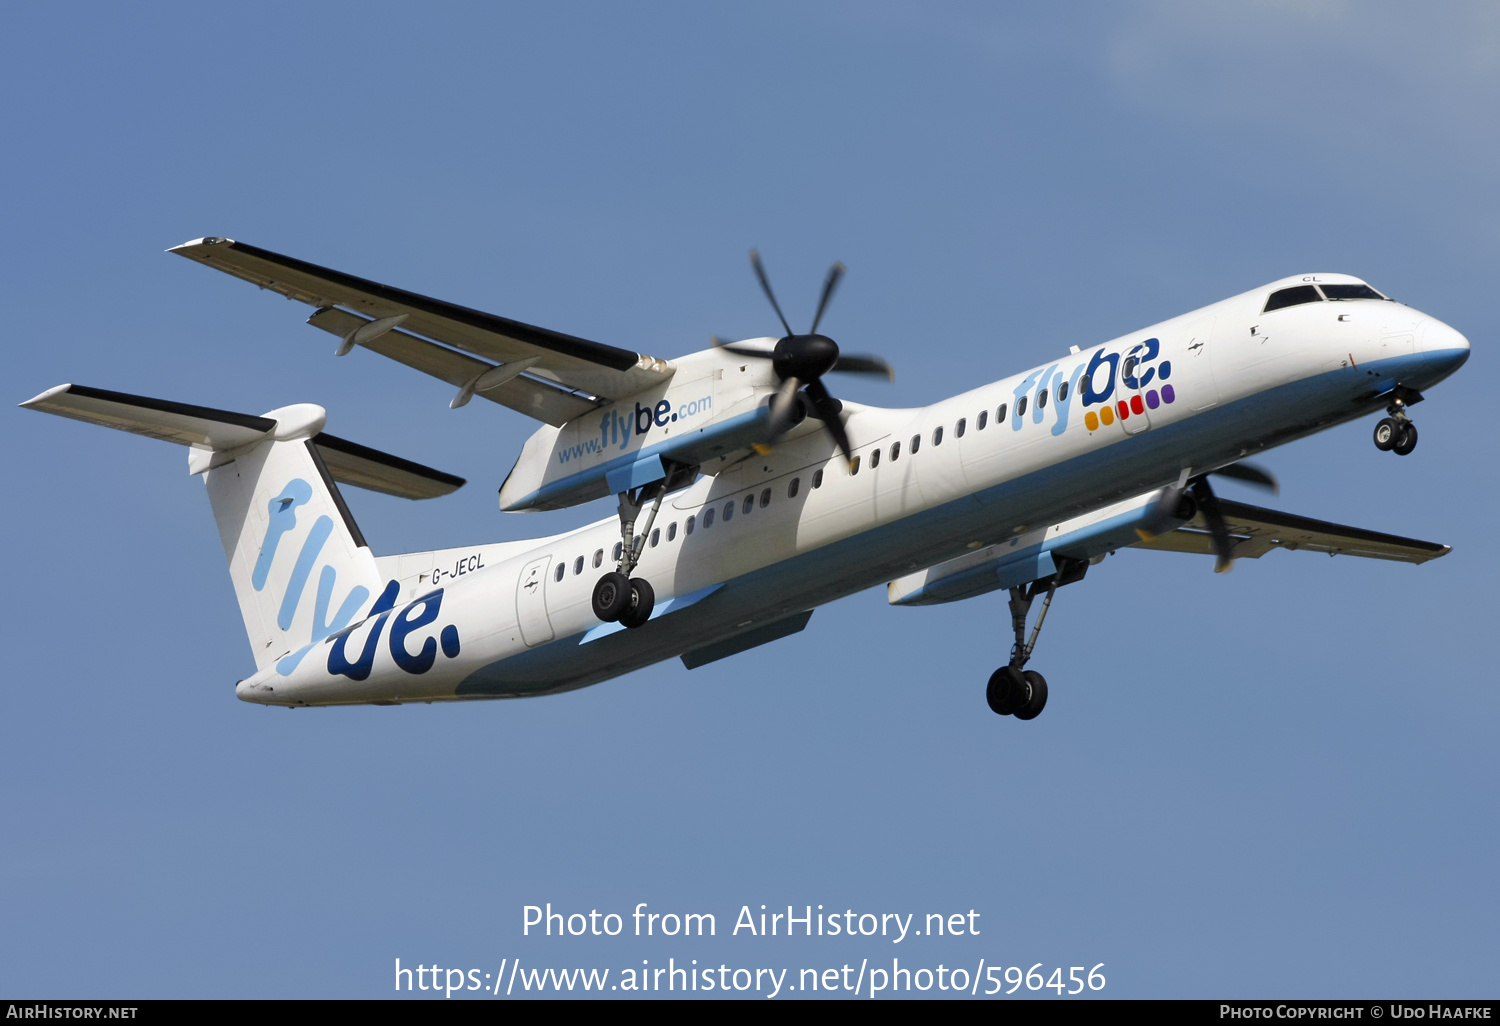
x: 705, y: 520
x: 749, y: 502
x: 960, y: 428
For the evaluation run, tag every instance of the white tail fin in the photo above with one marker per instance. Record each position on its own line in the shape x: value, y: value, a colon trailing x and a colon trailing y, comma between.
x: 301, y: 568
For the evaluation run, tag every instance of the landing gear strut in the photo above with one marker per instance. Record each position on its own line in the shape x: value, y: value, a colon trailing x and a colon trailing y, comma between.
x: 1014, y: 690
x: 1396, y: 432
x: 618, y: 597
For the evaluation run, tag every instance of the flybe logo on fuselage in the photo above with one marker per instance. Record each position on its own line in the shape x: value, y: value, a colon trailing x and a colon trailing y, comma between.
x: 617, y: 429
x: 418, y: 613
x: 1141, y: 383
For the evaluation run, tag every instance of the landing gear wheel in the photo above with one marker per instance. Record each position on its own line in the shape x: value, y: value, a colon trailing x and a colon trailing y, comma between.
x: 1006, y: 691
x: 642, y: 601
x: 611, y: 596
x: 1037, y: 700
x: 1407, y: 440
x: 1387, y: 434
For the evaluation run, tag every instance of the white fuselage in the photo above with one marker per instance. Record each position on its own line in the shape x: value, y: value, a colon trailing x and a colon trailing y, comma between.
x: 796, y: 529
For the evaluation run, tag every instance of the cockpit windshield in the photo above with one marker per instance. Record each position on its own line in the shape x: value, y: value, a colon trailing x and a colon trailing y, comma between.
x: 1299, y: 294
x: 1354, y: 291
x: 1293, y: 296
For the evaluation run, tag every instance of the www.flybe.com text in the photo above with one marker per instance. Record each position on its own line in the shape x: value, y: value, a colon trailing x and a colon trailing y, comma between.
x: 616, y: 429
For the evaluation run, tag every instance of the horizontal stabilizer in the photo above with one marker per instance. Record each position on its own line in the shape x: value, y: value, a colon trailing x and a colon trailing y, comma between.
x: 212, y: 431
x: 1256, y: 531
x: 156, y: 418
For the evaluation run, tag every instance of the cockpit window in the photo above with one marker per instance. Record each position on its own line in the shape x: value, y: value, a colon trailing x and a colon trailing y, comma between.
x: 1359, y: 291
x: 1293, y: 296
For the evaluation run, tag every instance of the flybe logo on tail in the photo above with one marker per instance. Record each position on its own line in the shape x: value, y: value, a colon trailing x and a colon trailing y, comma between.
x: 282, y: 520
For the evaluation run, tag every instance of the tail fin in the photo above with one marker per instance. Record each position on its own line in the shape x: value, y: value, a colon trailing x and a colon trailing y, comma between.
x: 301, y: 569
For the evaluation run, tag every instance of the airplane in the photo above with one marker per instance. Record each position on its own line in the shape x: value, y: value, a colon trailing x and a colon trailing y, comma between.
x: 764, y: 496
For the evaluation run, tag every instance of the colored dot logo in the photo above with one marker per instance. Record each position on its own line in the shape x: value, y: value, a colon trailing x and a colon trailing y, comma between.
x: 1136, y: 405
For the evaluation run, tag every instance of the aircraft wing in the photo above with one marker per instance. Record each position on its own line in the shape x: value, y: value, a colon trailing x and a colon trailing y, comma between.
x: 559, y: 375
x: 1256, y: 531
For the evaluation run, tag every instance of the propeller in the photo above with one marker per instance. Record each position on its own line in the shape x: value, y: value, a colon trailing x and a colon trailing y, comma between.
x: 1170, y: 506
x: 800, y: 361
x: 1213, y: 516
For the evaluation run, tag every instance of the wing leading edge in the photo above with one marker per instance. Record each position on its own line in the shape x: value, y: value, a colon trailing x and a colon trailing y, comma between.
x: 565, y: 364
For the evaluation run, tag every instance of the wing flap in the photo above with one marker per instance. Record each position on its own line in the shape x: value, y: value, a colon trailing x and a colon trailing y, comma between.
x: 576, y: 363
x: 538, y: 399
x: 1257, y: 531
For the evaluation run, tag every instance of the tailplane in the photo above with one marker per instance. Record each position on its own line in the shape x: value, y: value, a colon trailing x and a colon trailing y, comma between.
x: 301, y: 568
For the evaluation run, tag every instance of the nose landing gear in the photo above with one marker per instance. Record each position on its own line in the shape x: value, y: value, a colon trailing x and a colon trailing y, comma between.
x: 1014, y: 690
x: 1396, y: 433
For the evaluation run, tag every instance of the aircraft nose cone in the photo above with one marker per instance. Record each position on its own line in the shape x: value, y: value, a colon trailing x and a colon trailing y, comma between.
x: 1445, y: 349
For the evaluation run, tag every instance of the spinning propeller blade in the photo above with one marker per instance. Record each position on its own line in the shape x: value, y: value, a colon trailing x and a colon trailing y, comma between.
x: 800, y: 361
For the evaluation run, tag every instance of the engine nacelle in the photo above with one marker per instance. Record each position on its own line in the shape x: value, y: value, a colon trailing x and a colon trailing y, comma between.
x: 713, y: 408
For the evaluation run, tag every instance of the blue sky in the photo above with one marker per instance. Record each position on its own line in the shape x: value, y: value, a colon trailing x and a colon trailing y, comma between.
x: 1282, y: 781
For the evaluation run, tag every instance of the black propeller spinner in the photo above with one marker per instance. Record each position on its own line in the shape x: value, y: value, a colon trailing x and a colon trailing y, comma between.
x: 800, y: 361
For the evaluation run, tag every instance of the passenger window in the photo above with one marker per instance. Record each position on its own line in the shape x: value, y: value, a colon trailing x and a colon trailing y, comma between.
x: 655, y: 537
x: 1020, y: 407
x: 1062, y: 391
x: 1128, y: 370
x: 562, y: 568
x: 578, y: 565
x: 672, y: 531
x: 937, y: 436
x: 1086, y: 383
x: 708, y: 518
x: 1000, y: 413
x: 1294, y: 296
x: 619, y: 551
x: 916, y: 443
x: 765, y: 498
x: 958, y: 429
x: 728, y: 511
x: 792, y: 486
x: 598, y: 558
x: 1041, y: 399
x: 749, y: 503
x: 874, y: 458
x: 984, y: 417
x: 854, y: 466
x: 817, y: 479
x: 692, y: 522
x: 895, y: 451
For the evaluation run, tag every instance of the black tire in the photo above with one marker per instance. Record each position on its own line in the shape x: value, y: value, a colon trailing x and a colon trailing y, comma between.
x: 642, y: 601
x: 1038, y: 698
x: 1387, y: 433
x: 611, y: 596
x: 1006, y: 691
x: 1408, y: 440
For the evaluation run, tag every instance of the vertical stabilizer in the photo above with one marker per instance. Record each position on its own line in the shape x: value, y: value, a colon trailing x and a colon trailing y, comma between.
x: 301, y: 568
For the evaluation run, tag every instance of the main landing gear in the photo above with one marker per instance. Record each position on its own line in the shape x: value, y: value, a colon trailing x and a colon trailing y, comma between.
x: 1396, y: 433
x: 1014, y: 690
x: 618, y: 597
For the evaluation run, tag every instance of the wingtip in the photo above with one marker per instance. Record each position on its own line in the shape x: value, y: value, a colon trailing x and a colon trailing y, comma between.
x: 191, y: 244
x: 37, y: 400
